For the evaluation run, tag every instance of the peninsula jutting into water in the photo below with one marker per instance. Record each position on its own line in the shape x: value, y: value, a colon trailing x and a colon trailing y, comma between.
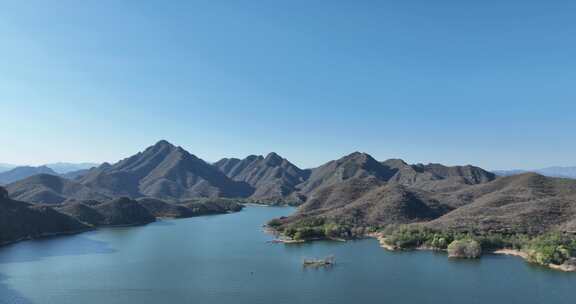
x: 464, y: 210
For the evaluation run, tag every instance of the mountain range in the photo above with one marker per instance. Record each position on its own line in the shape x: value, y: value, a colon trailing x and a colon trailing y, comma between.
x: 356, y: 191
x: 163, y: 171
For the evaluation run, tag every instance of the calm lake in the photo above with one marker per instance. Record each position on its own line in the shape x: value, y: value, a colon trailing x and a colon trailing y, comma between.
x: 226, y: 259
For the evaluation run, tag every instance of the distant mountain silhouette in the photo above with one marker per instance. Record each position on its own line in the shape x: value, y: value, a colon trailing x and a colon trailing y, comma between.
x: 566, y: 172
x: 272, y: 177
x: 163, y: 171
x: 23, y: 172
x: 51, y: 189
x: 67, y: 170
x: 63, y: 168
x: 73, y: 175
x: 6, y: 167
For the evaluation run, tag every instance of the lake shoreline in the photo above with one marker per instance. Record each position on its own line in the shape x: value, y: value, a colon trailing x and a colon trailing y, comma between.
x: 382, y: 243
x: 502, y: 251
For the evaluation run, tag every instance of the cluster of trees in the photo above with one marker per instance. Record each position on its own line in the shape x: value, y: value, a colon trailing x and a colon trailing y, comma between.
x: 412, y: 236
x: 319, y: 228
x: 549, y: 248
x: 409, y: 237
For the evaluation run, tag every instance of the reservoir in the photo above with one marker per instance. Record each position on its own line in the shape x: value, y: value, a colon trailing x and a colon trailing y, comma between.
x: 227, y: 258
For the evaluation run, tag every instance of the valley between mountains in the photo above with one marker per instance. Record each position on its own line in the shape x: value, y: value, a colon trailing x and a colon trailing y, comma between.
x: 464, y: 210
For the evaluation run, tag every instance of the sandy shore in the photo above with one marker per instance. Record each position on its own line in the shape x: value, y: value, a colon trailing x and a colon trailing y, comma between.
x: 512, y: 252
x: 524, y: 255
x: 380, y: 237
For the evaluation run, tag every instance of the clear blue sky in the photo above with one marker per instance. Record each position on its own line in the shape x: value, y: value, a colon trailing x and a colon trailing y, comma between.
x: 490, y: 83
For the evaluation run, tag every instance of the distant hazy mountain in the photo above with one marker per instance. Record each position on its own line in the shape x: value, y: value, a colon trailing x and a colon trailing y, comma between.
x: 62, y: 168
x: 566, y: 172
x: 163, y: 171
x: 510, y: 172
x: 6, y: 167
x: 75, y: 174
x: 23, y: 172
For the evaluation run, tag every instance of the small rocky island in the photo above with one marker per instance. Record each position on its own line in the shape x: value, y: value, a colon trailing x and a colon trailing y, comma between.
x: 323, y: 262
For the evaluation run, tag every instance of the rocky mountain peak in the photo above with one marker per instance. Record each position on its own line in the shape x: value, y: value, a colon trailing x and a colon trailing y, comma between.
x: 273, y: 159
x: 164, y: 143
